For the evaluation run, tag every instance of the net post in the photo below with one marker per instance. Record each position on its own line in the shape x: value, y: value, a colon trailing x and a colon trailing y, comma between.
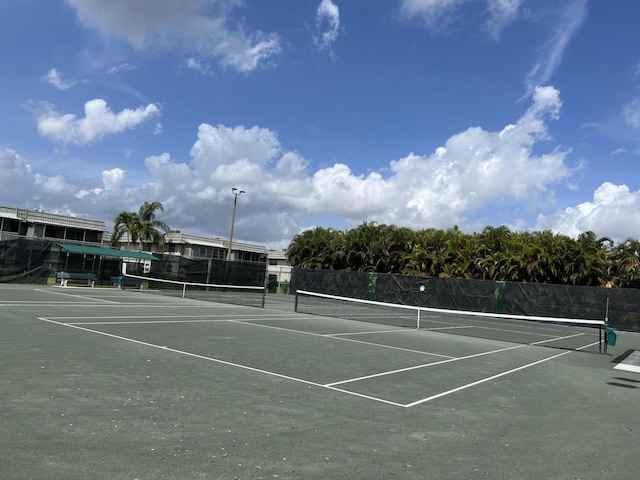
x: 603, y: 349
x: 600, y: 339
x: 295, y: 305
x: 418, y: 321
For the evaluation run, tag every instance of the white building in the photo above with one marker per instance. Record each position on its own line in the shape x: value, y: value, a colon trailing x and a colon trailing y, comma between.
x: 278, y: 270
x: 17, y: 223
x: 36, y: 224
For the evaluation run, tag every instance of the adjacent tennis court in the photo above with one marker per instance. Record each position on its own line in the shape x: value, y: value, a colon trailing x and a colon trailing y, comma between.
x: 102, y: 383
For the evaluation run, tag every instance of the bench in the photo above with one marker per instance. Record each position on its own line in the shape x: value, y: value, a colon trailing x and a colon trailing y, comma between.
x: 65, y: 277
x: 116, y: 282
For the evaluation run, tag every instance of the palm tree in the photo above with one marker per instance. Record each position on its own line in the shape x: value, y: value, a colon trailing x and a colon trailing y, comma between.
x: 141, y: 227
x: 313, y: 249
x: 151, y: 230
x: 126, y: 223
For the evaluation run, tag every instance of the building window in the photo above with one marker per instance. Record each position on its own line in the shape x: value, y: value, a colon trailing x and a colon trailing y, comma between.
x: 93, y: 236
x: 12, y: 226
x: 74, y: 234
x: 53, y: 231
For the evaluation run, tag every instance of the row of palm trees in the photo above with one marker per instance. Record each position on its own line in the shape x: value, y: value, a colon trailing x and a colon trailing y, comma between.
x: 141, y: 227
x: 495, y: 253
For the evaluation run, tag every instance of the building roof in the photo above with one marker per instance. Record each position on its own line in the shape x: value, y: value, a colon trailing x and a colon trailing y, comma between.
x: 38, y: 216
x: 178, y: 237
x: 107, y: 252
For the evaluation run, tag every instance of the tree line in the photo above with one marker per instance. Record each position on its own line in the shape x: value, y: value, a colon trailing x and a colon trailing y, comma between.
x: 495, y: 253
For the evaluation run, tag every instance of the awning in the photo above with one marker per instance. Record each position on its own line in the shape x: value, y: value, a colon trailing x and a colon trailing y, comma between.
x: 107, y: 252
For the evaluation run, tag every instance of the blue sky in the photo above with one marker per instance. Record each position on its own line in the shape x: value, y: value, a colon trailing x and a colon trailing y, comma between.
x: 419, y: 113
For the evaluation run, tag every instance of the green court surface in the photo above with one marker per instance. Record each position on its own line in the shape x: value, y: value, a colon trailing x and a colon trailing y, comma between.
x: 99, y: 383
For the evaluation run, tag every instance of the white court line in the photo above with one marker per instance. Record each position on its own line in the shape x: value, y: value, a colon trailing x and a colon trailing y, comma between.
x: 424, y: 365
x: 324, y: 335
x: 216, y: 360
x: 75, y: 296
x: 333, y: 386
x: 366, y: 333
x: 115, y: 318
x: 148, y: 322
x: 391, y: 372
x: 473, y: 384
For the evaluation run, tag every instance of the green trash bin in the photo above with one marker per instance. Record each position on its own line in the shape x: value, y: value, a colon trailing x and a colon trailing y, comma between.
x: 610, y: 336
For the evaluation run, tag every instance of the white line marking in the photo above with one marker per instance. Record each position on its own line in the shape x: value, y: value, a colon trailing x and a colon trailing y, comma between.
x: 302, y: 332
x: 332, y: 386
x: 425, y: 365
x: 75, y: 296
x: 473, y: 384
x: 628, y: 368
x: 367, y: 333
x: 631, y: 363
x: 215, y: 360
x: 152, y: 322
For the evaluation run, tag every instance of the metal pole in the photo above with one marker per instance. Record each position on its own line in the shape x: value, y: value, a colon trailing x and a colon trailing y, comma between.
x: 606, y: 322
x: 236, y: 194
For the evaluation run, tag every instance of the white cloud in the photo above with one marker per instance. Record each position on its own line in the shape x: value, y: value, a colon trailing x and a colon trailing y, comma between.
x: 631, y: 113
x: 618, y: 151
x: 327, y: 25
x: 551, y: 53
x: 15, y: 176
x: 501, y: 13
x: 191, y: 27
x: 439, y: 15
x: 432, y: 12
x: 113, y: 178
x: 195, y: 64
x: 221, y: 145
x: 56, y: 185
x: 473, y: 169
x: 614, y: 212
x: 98, y: 122
x: 122, y: 67
x: 53, y: 77
x: 471, y: 172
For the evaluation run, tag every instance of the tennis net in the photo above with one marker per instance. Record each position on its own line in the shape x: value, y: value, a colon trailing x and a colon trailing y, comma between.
x: 564, y: 333
x: 248, y: 295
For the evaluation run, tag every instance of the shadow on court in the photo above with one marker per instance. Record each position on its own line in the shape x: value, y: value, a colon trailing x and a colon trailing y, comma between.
x: 108, y: 384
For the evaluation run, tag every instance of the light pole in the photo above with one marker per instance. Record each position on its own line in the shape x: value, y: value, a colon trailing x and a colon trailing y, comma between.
x: 236, y: 194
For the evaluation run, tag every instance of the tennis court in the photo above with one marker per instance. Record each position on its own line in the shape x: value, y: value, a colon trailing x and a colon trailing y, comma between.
x: 102, y: 383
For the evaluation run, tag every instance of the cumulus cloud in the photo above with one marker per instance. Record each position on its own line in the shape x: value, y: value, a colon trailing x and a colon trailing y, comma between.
x: 471, y: 171
x: 327, y: 25
x: 191, y: 27
x: 614, y: 211
x: 15, y: 176
x: 113, y: 178
x: 98, y: 122
x: 53, y: 77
